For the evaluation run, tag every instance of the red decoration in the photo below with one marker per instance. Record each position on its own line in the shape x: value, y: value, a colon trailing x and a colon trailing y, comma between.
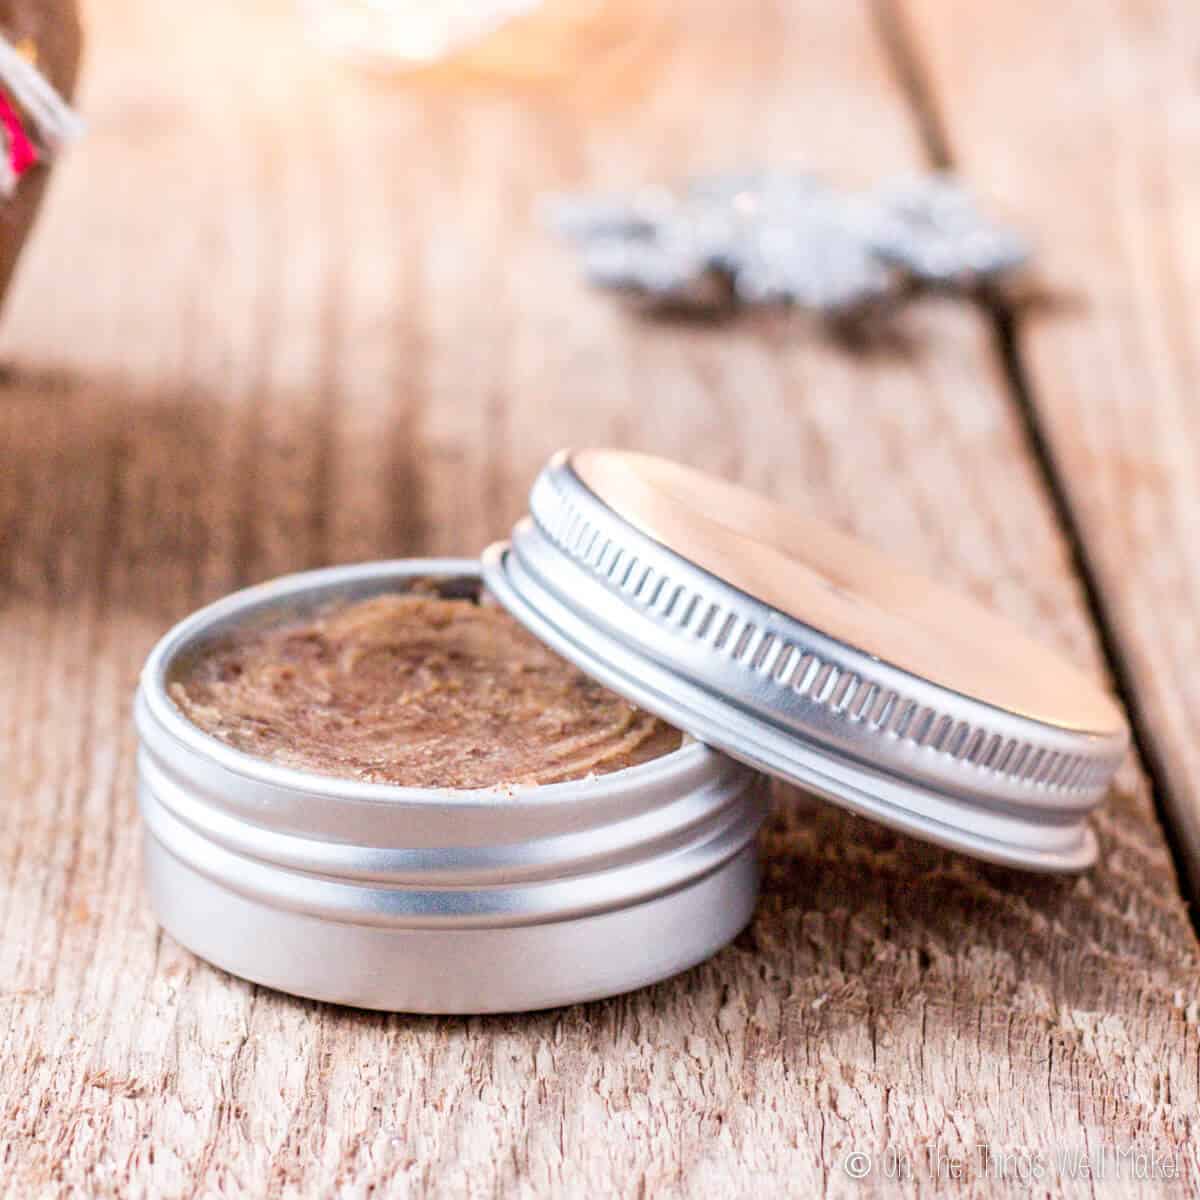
x: 22, y: 153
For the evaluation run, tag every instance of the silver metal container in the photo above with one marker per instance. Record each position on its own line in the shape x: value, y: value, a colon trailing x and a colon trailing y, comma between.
x: 777, y: 640
x: 428, y: 900
x: 812, y: 656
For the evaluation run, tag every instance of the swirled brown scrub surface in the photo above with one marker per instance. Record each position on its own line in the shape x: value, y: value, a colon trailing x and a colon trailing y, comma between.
x: 414, y: 690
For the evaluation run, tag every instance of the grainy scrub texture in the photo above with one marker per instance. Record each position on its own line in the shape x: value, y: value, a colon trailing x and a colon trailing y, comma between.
x: 414, y: 690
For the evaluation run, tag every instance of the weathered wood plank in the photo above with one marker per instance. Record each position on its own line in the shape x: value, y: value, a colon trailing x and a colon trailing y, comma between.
x: 1085, y: 122
x: 277, y: 317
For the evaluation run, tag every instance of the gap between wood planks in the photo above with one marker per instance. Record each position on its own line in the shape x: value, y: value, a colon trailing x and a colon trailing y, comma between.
x: 902, y: 54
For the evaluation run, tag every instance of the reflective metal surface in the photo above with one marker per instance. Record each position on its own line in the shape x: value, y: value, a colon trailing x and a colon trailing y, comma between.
x: 812, y: 656
x: 428, y: 900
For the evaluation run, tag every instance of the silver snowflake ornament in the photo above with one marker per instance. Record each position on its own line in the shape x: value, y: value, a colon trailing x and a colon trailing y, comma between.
x: 762, y: 238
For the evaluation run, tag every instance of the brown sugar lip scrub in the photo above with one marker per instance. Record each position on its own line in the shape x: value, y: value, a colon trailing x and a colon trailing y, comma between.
x: 416, y: 690
x: 367, y: 784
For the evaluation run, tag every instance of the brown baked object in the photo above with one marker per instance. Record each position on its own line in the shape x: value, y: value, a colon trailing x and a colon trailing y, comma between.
x: 414, y: 690
x: 52, y: 26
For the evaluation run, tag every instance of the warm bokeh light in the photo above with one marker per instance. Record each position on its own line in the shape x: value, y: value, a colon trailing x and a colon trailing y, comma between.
x: 408, y: 31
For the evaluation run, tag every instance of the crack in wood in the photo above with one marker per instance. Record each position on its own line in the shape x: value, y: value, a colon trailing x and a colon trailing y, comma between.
x: 1003, y: 318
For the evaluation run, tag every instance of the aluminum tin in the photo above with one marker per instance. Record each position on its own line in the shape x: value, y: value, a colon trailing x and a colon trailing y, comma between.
x: 784, y: 696
x: 427, y: 900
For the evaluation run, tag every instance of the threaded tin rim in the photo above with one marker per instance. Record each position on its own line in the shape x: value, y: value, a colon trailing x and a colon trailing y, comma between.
x: 791, y: 700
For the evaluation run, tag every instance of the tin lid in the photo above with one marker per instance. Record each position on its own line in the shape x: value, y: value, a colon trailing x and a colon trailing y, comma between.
x: 812, y: 656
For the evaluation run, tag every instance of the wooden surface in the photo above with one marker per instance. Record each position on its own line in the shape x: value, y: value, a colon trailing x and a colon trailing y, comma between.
x: 277, y: 317
x: 1109, y: 176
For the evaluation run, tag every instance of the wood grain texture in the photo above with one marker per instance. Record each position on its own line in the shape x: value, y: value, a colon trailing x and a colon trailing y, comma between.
x: 1105, y: 168
x: 277, y: 317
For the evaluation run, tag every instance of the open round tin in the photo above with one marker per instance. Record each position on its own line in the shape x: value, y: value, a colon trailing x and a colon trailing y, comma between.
x: 432, y: 900
x: 784, y: 644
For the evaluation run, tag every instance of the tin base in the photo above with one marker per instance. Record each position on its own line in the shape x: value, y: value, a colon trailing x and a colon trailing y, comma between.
x: 452, y: 971
x: 424, y: 899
